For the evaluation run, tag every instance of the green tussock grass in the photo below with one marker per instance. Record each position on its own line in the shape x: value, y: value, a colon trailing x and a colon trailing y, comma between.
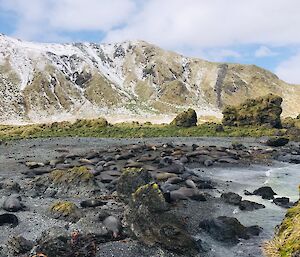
x: 287, y: 240
x: 100, y: 128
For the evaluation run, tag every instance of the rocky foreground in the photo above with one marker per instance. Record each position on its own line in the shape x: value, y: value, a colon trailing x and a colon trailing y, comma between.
x: 95, y: 197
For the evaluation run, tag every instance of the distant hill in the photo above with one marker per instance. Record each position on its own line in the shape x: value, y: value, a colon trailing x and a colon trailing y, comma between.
x: 46, y: 82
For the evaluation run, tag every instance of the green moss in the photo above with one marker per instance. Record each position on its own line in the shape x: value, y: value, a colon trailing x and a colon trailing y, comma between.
x: 74, y: 175
x: 130, y: 180
x: 151, y: 196
x: 64, y: 208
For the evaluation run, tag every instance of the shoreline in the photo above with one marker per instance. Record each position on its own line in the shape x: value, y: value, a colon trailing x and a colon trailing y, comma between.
x: 15, y: 154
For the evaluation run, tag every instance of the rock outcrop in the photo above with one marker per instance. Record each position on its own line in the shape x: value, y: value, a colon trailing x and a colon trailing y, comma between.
x: 150, y: 220
x: 262, y: 111
x: 185, y: 119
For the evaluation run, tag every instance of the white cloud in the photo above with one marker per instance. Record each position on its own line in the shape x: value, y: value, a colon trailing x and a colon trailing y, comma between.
x: 48, y: 19
x: 264, y: 51
x: 170, y: 23
x: 213, y: 23
x: 289, y: 70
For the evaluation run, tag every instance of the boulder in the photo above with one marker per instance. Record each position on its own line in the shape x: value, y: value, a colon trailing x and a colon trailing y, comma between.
x: 18, y: 245
x: 185, y: 119
x: 58, y: 241
x: 71, y: 182
x: 150, y: 220
x: 265, y: 192
x: 277, y: 141
x: 265, y: 110
x: 282, y: 202
x: 130, y: 180
x: 231, y: 198
x: 228, y: 229
x: 246, y: 205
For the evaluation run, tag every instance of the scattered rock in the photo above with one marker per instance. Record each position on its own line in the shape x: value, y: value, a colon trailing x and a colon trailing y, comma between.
x: 227, y: 229
x: 19, y: 245
x: 208, y: 163
x: 231, y: 198
x: 246, y: 205
x: 33, y: 165
x: 282, y: 202
x: 10, y: 185
x: 265, y: 192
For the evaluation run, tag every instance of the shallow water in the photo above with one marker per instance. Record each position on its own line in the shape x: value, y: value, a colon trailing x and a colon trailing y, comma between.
x: 283, y: 178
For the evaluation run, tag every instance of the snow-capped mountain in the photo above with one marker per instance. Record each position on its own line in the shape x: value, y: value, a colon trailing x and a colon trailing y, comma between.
x: 46, y: 82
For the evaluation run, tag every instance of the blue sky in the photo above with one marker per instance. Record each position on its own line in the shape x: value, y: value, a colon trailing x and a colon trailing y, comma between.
x: 261, y: 32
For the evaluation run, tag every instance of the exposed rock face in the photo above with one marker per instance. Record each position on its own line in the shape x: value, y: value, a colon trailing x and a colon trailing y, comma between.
x: 185, y: 119
x: 264, y: 110
x: 42, y: 81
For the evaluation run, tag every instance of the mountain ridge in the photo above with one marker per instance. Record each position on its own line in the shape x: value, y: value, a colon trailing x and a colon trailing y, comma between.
x: 47, y: 82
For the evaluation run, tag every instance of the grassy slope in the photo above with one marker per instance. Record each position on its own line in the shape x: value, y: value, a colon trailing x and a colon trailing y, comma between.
x: 287, y: 240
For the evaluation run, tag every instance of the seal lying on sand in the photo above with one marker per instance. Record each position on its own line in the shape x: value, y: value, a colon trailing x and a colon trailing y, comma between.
x: 8, y: 218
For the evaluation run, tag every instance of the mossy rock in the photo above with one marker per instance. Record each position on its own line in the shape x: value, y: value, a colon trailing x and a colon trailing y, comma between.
x: 185, y: 119
x: 262, y: 111
x: 76, y: 175
x: 151, y: 221
x: 130, y: 180
x: 65, y: 210
x: 151, y: 196
x: 286, y: 242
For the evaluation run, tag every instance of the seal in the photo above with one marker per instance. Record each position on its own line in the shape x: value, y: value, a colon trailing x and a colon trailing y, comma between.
x: 13, y: 204
x: 90, y: 203
x: 8, y: 218
x: 113, y: 225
